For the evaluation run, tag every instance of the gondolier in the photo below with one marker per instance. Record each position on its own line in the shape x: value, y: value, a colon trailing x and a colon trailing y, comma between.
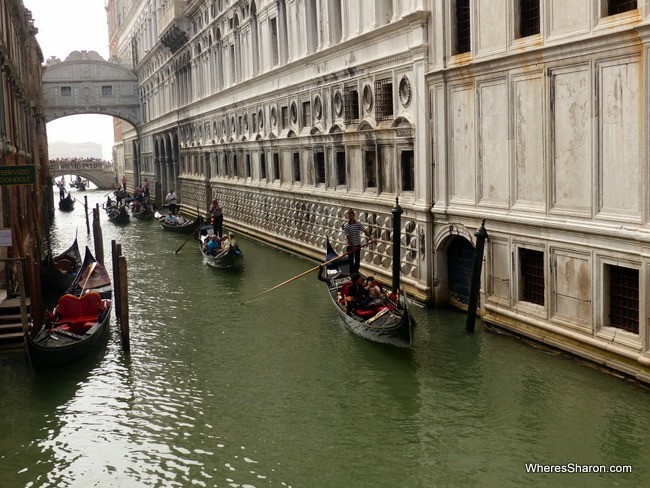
x: 352, y: 230
x: 171, y: 201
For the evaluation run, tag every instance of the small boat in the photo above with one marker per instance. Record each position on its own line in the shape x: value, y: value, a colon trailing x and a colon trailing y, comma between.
x: 93, y: 277
x: 73, y: 329
x: 143, y: 213
x: 58, y: 272
x: 66, y: 204
x: 383, y: 319
x: 184, y: 226
x: 118, y: 215
x: 230, y: 255
x: 81, y: 185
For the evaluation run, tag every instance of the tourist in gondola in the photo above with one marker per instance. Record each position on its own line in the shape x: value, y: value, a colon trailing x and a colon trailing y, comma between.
x: 171, y: 201
x: 374, y: 287
x: 171, y: 219
x: 356, y: 295
x: 217, y: 217
x: 213, y: 247
x: 352, y: 230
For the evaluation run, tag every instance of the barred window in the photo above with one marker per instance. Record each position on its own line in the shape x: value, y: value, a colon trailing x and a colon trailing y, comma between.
x: 462, y: 24
x: 531, y: 266
x: 619, y: 6
x: 407, y: 167
x: 247, y: 166
x: 341, y: 178
x: 284, y: 113
x: 623, y: 297
x: 107, y: 90
x: 319, y: 163
x: 66, y: 91
x: 371, y: 169
x: 528, y: 18
x: 306, y: 114
x: 384, y: 99
x: 276, y: 167
x: 296, y: 167
x: 262, y: 166
x: 351, y: 104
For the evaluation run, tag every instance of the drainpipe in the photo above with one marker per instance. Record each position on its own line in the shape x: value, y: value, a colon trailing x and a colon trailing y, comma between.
x: 481, y: 234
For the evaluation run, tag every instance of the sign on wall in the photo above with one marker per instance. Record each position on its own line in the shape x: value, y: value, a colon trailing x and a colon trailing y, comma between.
x: 23, y: 174
x: 5, y: 237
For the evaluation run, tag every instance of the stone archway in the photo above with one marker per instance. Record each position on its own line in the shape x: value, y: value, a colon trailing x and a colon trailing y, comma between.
x: 87, y: 84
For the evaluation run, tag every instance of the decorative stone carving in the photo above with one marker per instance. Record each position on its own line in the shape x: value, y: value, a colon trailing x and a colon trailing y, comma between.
x: 294, y: 113
x: 405, y: 91
x: 318, y: 108
x: 367, y: 98
x: 274, y: 117
x: 338, y: 103
x: 260, y: 118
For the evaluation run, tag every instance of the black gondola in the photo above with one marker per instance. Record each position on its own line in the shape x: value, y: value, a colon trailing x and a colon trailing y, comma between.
x: 387, y: 320
x: 118, y: 215
x: 185, y: 227
x: 76, y: 327
x: 58, y: 272
x: 142, y: 214
x: 66, y: 204
x: 230, y: 255
x: 93, y: 277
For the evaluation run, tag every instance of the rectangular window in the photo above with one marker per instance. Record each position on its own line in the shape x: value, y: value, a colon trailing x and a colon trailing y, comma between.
x: 66, y: 91
x: 247, y: 166
x: 276, y: 167
x: 306, y: 114
x: 462, y: 39
x: 319, y: 163
x: 351, y: 104
x: 284, y: 112
x: 235, y: 171
x: 384, y: 96
x: 407, y: 167
x: 262, y: 166
x: 531, y: 266
x: 528, y: 18
x: 254, y: 121
x: 296, y: 167
x: 274, y: 41
x: 107, y: 90
x: 240, y: 125
x: 371, y: 169
x: 623, y: 297
x: 619, y: 6
x: 341, y: 178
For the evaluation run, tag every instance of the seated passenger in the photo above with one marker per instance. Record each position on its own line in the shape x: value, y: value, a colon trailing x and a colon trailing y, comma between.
x: 374, y: 287
x: 357, y: 296
x: 171, y: 219
x: 213, y: 247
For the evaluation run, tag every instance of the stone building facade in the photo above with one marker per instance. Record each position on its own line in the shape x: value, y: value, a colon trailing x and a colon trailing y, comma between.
x: 527, y: 113
x: 540, y: 116
x: 24, y: 208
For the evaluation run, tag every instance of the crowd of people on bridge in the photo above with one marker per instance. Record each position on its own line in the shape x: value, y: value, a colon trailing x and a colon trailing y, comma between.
x: 82, y: 163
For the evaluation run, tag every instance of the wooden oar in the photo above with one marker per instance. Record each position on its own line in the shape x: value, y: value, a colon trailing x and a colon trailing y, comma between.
x: 186, y: 241
x: 90, y: 271
x: 306, y: 272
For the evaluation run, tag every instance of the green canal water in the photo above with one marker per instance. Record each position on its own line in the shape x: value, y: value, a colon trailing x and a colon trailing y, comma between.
x: 277, y: 392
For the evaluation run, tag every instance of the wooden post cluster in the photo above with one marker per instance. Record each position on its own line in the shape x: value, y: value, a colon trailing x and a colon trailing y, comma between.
x: 121, y: 292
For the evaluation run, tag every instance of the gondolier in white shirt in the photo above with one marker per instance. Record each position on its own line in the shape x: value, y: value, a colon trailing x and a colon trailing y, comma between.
x: 171, y: 201
x: 352, y: 230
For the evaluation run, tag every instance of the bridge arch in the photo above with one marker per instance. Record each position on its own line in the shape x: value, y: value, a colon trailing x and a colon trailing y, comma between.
x: 98, y: 173
x: 87, y: 84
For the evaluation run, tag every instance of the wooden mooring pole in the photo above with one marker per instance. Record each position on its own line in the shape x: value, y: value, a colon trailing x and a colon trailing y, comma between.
x: 116, y: 250
x: 481, y: 234
x: 124, y: 304
x: 97, y: 236
x: 86, y: 212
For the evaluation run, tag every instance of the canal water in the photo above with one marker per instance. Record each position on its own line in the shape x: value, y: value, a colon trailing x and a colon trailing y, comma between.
x: 277, y: 392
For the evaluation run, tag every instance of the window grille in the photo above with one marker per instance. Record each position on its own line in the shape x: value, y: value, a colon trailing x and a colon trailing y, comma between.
x: 296, y: 167
x: 284, y: 113
x: 341, y: 178
x: 619, y: 6
x: 66, y: 91
x: 528, y: 17
x: 247, y: 166
x: 319, y: 162
x: 306, y: 114
x: 624, y: 298
x: 463, y: 31
x: 351, y: 104
x: 371, y: 169
x: 532, y: 275
x: 276, y: 166
x: 262, y: 166
x: 384, y: 99
x: 407, y: 167
x: 107, y: 90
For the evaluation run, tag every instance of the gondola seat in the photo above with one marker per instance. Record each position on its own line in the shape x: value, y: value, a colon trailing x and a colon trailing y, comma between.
x: 78, y: 314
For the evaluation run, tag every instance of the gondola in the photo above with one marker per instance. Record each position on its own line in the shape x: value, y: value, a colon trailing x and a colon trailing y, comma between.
x: 118, y: 215
x: 143, y: 214
x: 74, y: 328
x: 66, y: 204
x: 186, y: 227
x: 93, y: 277
x: 231, y: 256
x: 389, y: 320
x: 58, y: 272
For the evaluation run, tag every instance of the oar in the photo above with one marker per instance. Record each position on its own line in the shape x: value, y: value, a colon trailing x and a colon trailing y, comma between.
x: 90, y: 271
x: 186, y: 241
x: 306, y: 272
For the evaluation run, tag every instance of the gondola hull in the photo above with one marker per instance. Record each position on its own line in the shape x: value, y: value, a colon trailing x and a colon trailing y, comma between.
x: 92, y: 276
x: 53, y: 348
x: 58, y: 272
x: 186, y: 228
x: 66, y: 204
x: 143, y: 214
x: 389, y: 323
x: 232, y: 257
x: 121, y: 217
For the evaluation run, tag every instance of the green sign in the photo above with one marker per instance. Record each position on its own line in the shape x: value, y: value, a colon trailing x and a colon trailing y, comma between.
x: 23, y: 174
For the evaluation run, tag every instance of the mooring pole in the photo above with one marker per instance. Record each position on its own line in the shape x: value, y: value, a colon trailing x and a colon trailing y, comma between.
x: 97, y: 236
x: 397, y: 237
x: 481, y: 234
x: 115, y: 254
x: 86, y: 211
x: 124, y: 304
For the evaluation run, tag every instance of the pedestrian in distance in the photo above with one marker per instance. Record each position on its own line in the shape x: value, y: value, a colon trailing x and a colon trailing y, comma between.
x: 353, y: 230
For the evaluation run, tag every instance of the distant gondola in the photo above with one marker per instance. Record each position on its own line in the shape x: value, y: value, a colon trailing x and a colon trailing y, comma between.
x: 142, y: 214
x: 75, y: 327
x: 186, y: 227
x: 66, y: 204
x: 58, y: 272
x: 229, y: 257
x: 118, y: 215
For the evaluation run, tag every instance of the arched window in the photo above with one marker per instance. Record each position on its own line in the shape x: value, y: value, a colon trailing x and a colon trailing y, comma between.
x: 254, y: 39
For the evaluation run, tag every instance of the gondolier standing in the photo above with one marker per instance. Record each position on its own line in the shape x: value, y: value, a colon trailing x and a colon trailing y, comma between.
x: 171, y: 201
x: 352, y: 230
x: 216, y: 213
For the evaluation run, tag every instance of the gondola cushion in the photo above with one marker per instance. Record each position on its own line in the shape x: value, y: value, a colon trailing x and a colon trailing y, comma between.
x: 80, y: 310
